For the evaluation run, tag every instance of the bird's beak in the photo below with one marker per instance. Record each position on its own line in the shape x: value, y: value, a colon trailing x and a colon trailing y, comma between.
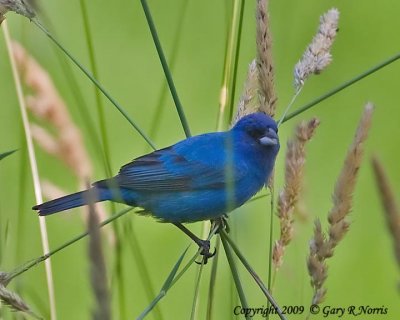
x: 270, y: 138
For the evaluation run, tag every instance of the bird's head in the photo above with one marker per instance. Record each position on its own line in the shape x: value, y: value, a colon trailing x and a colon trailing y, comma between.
x: 261, y: 128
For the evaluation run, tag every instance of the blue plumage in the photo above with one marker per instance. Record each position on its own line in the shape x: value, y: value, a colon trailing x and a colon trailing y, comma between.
x: 200, y: 178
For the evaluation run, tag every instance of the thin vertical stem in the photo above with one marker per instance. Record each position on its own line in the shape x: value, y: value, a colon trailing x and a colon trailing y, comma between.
x: 289, y: 106
x: 99, y: 101
x: 142, y: 266
x: 95, y: 81
x: 235, y: 275
x: 30, y: 264
x: 271, y: 235
x: 257, y: 279
x: 158, y: 113
x: 195, y: 303
x: 240, y: 5
x: 34, y: 169
x: 213, y: 277
x: 165, y: 67
x: 341, y: 87
x: 230, y: 67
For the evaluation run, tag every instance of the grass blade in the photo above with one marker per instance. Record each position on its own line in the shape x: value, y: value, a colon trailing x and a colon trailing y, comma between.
x: 230, y: 66
x: 167, y: 284
x: 6, y: 154
x: 388, y: 199
x: 26, y: 266
x: 137, y: 254
x: 96, y: 83
x: 341, y: 87
x: 172, y: 280
x: 271, y: 234
x: 259, y: 282
x: 33, y: 166
x: 98, y: 272
x: 158, y: 113
x: 99, y: 101
x: 213, y: 277
x: 235, y: 275
x: 196, y: 291
x: 165, y: 67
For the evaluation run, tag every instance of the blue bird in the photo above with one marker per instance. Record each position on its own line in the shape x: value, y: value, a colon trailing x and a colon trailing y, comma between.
x: 200, y: 178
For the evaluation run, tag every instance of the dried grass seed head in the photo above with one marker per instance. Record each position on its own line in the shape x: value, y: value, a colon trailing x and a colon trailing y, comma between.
x: 288, y: 197
x: 391, y: 209
x: 14, y: 301
x: 322, y: 247
x: 294, y: 163
x: 46, y: 104
x: 343, y: 193
x: 248, y: 103
x: 267, y: 94
x: 22, y: 7
x: 317, y: 56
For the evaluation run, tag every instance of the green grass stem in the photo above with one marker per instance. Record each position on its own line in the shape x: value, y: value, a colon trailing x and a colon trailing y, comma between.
x: 239, y: 5
x: 165, y: 67
x: 80, y: 102
x: 166, y: 286
x: 171, y: 280
x: 213, y: 278
x: 143, y: 269
x: 257, y: 279
x: 158, y: 113
x: 230, y: 64
x: 33, y: 165
x: 271, y: 234
x: 195, y: 303
x: 6, y: 154
x: 235, y: 275
x: 26, y: 266
x: 20, y: 221
x: 341, y: 87
x: 96, y: 82
x: 99, y: 101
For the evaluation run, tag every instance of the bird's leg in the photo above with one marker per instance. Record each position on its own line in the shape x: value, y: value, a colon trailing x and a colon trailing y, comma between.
x: 222, y: 223
x: 203, y: 244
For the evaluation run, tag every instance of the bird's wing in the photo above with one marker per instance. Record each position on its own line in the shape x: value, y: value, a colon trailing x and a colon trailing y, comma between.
x: 166, y: 170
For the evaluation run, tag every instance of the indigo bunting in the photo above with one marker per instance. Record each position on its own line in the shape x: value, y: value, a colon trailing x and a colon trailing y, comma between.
x: 200, y: 178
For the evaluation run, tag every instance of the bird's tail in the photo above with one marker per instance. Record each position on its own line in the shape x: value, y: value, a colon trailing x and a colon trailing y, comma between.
x: 72, y: 201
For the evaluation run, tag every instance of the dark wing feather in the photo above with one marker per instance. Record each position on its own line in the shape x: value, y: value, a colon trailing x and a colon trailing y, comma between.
x: 166, y: 170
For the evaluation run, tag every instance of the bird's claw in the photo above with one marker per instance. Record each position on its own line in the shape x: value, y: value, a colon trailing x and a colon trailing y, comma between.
x: 204, y: 245
x: 222, y: 223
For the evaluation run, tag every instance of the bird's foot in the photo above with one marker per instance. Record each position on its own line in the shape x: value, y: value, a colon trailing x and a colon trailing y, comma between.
x: 204, y: 245
x: 221, y: 223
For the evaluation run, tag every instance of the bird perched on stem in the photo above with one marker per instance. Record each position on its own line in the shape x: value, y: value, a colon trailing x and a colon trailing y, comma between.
x: 200, y: 178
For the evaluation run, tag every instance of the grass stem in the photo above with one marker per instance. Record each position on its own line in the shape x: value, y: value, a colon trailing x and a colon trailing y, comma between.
x: 193, y: 314
x: 341, y: 87
x: 172, y: 279
x: 26, y: 266
x: 230, y: 65
x: 235, y: 275
x: 99, y: 101
x: 158, y: 113
x: 96, y: 82
x: 165, y: 67
x: 213, y: 277
x: 271, y: 236
x: 257, y: 279
x: 34, y: 169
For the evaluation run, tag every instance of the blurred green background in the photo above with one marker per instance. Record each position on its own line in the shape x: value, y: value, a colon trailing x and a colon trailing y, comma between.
x: 363, y: 270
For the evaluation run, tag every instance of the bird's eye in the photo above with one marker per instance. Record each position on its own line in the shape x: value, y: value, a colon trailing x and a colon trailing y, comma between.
x: 256, y: 133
